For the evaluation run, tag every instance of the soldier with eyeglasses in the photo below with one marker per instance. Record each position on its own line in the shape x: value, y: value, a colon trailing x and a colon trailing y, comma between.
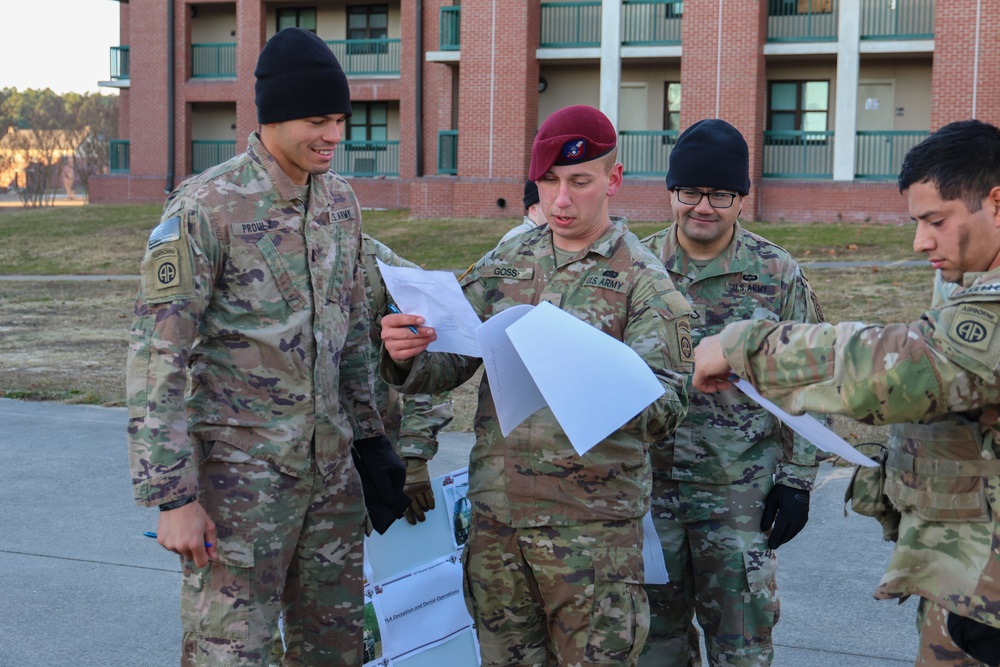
x: 732, y: 483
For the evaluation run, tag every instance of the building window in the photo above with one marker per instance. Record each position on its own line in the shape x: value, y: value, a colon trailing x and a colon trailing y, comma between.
x: 672, y: 108
x: 675, y: 10
x: 301, y: 17
x: 369, y: 122
x: 367, y: 22
x: 794, y: 7
x: 798, y: 106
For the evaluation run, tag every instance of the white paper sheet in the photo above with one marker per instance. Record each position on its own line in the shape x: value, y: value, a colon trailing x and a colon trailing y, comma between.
x: 809, y: 428
x: 422, y: 608
x: 652, y: 553
x: 592, y: 382
x: 437, y: 297
x: 514, y: 392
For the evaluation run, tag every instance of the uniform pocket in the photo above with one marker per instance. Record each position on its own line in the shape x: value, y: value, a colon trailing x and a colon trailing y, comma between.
x: 216, y: 599
x: 261, y: 283
x: 760, y: 608
x: 619, y: 618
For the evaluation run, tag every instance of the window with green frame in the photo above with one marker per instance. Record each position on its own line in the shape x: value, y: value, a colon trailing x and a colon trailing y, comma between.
x: 296, y: 17
x: 672, y: 105
x: 369, y: 122
x: 798, y: 106
x: 365, y: 22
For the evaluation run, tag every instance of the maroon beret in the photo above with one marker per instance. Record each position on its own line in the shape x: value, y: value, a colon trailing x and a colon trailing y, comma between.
x: 575, y: 134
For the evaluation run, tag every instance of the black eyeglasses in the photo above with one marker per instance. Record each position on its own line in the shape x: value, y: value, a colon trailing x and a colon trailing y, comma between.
x: 715, y: 199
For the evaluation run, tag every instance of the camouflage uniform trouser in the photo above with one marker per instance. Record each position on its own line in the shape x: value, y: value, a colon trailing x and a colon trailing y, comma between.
x: 556, y: 595
x: 720, y: 569
x: 287, y: 545
x: 936, y: 646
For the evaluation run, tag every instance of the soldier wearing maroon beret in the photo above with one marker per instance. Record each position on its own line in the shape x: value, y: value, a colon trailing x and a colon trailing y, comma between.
x: 554, y: 563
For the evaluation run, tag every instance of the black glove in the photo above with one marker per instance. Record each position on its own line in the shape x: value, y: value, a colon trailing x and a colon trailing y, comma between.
x: 978, y: 640
x: 382, y: 478
x: 788, y: 509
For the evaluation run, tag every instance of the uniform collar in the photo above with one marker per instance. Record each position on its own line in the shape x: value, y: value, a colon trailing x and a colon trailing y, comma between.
x: 733, y: 259
x: 604, y: 246
x: 282, y: 183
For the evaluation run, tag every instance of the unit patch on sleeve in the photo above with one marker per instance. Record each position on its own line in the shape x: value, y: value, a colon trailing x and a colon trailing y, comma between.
x: 684, y: 340
x: 167, y: 267
x: 973, y: 327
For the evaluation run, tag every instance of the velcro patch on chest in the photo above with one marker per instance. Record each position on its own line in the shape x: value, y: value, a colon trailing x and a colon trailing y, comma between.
x: 614, y: 284
x: 749, y: 285
x: 973, y: 327
x: 248, y: 228
x: 342, y: 215
x: 511, y: 272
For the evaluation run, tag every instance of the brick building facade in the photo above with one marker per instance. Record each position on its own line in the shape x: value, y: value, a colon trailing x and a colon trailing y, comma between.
x: 448, y: 96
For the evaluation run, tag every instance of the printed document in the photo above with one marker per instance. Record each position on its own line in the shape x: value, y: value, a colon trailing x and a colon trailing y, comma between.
x: 809, y: 428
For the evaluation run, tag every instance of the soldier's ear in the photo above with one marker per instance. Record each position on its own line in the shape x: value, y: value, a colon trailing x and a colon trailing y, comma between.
x: 993, y: 200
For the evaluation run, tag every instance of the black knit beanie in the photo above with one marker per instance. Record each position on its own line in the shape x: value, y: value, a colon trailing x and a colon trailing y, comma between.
x: 530, y: 193
x: 710, y: 154
x: 298, y: 77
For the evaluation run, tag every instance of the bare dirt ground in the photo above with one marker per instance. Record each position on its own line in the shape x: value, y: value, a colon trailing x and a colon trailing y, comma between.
x: 66, y: 340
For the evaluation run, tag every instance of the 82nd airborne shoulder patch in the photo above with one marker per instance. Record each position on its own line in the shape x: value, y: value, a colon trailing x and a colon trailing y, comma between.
x: 973, y: 327
x: 167, y: 269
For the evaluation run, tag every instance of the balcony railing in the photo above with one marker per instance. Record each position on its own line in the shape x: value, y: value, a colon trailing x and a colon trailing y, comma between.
x: 880, y: 154
x: 118, y: 157
x: 213, y: 60
x: 448, y: 152
x: 897, y: 19
x: 651, y: 22
x: 205, y: 154
x: 802, y: 20
x: 119, y: 63
x: 367, y: 158
x: 571, y: 24
x: 798, y: 154
x: 644, y: 153
x: 451, y: 22
x: 365, y: 57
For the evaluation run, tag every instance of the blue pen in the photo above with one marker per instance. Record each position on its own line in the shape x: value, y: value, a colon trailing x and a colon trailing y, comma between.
x: 150, y: 533
x: 393, y: 309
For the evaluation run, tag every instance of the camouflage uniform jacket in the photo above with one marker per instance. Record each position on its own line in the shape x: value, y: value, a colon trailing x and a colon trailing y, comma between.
x: 412, y: 421
x: 259, y: 302
x: 527, y: 225
x: 728, y: 438
x: 534, y: 477
x: 942, y: 370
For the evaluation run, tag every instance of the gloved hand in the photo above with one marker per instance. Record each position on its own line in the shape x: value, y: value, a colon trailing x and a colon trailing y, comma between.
x: 418, y: 488
x: 788, y: 509
x: 382, y: 478
x: 978, y: 640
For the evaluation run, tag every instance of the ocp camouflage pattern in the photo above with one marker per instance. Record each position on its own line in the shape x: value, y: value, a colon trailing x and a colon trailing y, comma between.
x: 728, y: 438
x: 945, y: 367
x: 261, y: 302
x: 534, y: 477
x: 412, y: 421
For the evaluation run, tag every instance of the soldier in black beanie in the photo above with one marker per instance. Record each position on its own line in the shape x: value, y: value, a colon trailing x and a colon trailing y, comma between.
x: 733, y: 484
x: 253, y: 425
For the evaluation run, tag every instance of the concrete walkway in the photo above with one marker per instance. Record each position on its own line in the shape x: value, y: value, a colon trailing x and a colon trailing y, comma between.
x: 82, y: 586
